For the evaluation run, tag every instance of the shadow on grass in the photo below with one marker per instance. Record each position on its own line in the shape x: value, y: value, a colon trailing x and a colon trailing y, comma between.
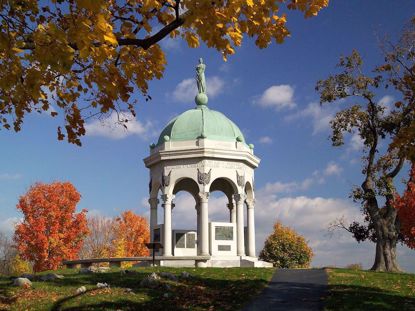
x: 350, y: 297
x: 195, y: 293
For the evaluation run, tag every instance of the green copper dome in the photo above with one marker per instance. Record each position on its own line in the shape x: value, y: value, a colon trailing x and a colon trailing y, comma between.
x: 201, y: 122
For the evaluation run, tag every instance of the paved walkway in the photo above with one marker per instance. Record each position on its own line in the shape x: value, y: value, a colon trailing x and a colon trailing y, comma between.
x: 292, y: 289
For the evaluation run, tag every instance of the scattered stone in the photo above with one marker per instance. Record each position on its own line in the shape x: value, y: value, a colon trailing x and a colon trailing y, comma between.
x: 102, y: 269
x: 169, y: 276
x: 93, y: 269
x: 88, y: 270
x: 129, y: 290
x: 22, y: 282
x: 185, y: 275
x: 151, y: 281
x: 81, y: 290
x: 102, y: 285
x: 51, y: 277
x: 29, y: 276
x: 166, y: 295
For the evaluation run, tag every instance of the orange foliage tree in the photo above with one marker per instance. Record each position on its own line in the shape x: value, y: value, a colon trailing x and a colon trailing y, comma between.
x: 51, y: 230
x: 406, y: 211
x: 132, y: 232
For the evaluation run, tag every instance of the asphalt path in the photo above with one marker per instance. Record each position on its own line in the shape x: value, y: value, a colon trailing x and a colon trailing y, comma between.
x: 292, y: 289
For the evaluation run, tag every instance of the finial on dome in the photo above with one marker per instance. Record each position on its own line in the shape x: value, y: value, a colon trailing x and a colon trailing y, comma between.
x: 201, y: 98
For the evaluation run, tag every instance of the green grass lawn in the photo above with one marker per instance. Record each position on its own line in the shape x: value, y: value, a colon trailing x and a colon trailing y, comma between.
x: 368, y: 290
x: 208, y: 289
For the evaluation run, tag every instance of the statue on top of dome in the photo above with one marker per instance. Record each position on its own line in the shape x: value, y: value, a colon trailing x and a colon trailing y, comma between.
x: 200, y: 77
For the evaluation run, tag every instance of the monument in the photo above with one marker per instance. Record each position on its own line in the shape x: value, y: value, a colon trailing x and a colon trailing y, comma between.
x: 202, y: 151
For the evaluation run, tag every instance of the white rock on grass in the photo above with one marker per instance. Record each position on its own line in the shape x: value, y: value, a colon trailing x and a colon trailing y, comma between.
x: 93, y: 269
x: 81, y: 290
x: 152, y: 281
x: 102, y: 285
x: 22, y: 282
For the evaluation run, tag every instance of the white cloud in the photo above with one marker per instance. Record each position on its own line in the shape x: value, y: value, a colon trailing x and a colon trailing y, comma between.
x: 386, y: 102
x: 112, y: 128
x: 278, y: 97
x: 332, y: 169
x: 289, y: 187
x: 320, y: 116
x: 356, y: 143
x: 7, y: 226
x: 7, y: 176
x: 186, y: 90
x: 265, y: 140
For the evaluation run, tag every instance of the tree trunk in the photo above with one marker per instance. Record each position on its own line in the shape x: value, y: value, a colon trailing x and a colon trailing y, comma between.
x: 385, y: 258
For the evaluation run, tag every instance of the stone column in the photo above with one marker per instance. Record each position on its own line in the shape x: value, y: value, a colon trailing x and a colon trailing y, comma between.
x: 167, y: 240
x: 251, y: 227
x: 204, y: 223
x: 153, y: 216
x: 197, y: 207
x: 232, y: 212
x: 240, y: 240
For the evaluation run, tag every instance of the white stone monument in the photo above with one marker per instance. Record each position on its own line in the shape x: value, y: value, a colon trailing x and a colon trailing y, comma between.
x: 201, y: 151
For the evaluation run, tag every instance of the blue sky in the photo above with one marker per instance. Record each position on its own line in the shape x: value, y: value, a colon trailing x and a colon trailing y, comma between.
x: 269, y: 94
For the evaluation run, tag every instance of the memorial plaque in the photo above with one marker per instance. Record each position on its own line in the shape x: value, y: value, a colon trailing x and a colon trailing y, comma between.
x: 224, y: 248
x: 190, y: 240
x: 157, y: 235
x: 223, y: 233
x: 180, y: 240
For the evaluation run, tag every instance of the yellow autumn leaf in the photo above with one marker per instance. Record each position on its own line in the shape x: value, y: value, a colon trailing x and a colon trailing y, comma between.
x: 110, y: 38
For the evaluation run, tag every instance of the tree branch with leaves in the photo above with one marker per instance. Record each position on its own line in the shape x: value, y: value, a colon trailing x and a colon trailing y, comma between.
x: 90, y: 58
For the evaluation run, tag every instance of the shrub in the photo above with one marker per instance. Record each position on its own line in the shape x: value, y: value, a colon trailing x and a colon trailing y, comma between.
x: 19, y: 266
x: 285, y: 248
x: 354, y: 266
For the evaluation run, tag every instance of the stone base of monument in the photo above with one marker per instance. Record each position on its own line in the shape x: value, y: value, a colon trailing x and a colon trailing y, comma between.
x: 214, y: 261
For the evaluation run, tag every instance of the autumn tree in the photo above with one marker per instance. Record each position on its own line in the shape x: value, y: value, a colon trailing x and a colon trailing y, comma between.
x: 405, y: 205
x: 89, y: 57
x: 100, y: 239
x: 51, y: 229
x: 399, y: 67
x: 285, y: 248
x: 376, y: 126
x: 131, y: 234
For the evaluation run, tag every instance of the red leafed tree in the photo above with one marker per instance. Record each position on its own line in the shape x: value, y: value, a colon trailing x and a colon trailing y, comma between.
x: 406, y: 211
x: 51, y: 230
x: 132, y: 232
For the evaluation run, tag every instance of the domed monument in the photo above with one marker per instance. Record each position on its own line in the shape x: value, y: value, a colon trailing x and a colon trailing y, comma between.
x: 202, y: 151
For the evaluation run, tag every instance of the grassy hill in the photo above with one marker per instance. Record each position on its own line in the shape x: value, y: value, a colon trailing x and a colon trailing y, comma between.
x: 368, y: 290
x: 206, y: 289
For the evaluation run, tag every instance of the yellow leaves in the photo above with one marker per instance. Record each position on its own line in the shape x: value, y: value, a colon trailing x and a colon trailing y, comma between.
x: 92, y: 5
x: 80, y: 43
x: 110, y: 38
x: 192, y: 40
x: 250, y: 3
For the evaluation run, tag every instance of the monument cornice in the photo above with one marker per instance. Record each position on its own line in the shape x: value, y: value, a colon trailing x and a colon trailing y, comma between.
x: 211, y: 153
